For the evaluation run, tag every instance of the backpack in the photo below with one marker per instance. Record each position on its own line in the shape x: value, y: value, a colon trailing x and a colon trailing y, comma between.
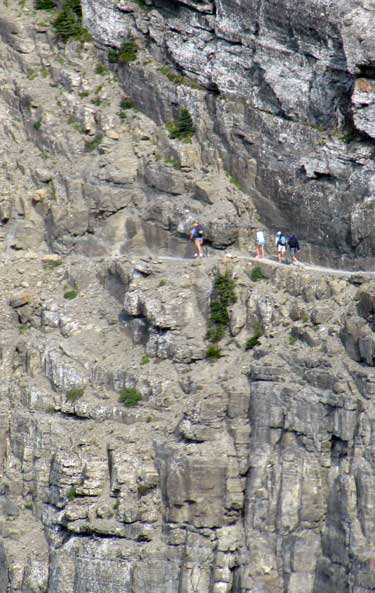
x: 198, y: 231
x: 293, y: 241
x: 282, y: 240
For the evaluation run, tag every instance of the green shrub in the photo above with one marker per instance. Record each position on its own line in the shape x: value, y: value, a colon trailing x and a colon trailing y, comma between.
x: 292, y: 339
x: 130, y: 397
x: 126, y: 103
x: 112, y: 55
x: 182, y: 128
x: 142, y: 4
x: 178, y: 78
x: 175, y: 163
x: 72, y: 493
x: 37, y: 124
x: 101, y: 69
x: 68, y: 23
x: 347, y: 138
x: 213, y: 352
x: 257, y: 274
x: 70, y: 294
x: 45, y: 4
x: 252, y: 342
x: 32, y: 74
x: 91, y: 146
x: 145, y: 359
x: 235, y: 182
x: 75, y: 393
x: 23, y: 329
x: 215, y: 333
x: 128, y: 51
x: 51, y: 264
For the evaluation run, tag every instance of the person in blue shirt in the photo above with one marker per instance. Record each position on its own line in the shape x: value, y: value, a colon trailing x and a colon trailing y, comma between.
x: 197, y: 236
x: 281, y: 242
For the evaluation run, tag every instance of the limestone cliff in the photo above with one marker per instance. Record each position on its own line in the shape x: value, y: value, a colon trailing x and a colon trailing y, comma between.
x: 135, y: 455
x: 286, y: 101
x: 252, y: 472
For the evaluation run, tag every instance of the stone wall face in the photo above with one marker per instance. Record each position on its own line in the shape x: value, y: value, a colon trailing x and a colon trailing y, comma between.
x: 253, y: 472
x: 289, y: 106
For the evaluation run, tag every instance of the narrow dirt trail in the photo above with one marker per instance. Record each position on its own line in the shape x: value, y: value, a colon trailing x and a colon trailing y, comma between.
x: 272, y: 262
x: 8, y: 257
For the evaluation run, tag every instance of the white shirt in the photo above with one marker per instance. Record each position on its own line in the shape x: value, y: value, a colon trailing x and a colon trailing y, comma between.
x: 260, y: 237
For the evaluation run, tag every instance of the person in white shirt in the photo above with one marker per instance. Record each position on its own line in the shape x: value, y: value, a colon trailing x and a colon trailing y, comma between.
x: 260, y: 243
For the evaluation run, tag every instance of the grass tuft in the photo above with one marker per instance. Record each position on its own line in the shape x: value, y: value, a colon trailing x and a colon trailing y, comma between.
x: 257, y: 274
x: 130, y: 397
x: 74, y: 394
x: 94, y: 144
x: 252, y: 342
x: 213, y: 352
x: 72, y: 493
x: 70, y: 294
x: 179, y: 78
x: 37, y: 124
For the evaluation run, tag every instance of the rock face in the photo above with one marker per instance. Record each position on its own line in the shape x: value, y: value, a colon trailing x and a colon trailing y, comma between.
x: 252, y: 472
x: 83, y: 171
x: 135, y: 455
x: 286, y: 100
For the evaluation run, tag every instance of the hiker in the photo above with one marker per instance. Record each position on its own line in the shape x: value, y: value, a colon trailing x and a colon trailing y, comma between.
x: 197, y: 235
x: 294, y: 248
x: 260, y: 243
x: 281, y: 242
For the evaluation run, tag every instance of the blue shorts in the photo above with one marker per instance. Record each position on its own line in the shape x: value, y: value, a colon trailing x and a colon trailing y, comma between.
x: 198, y: 238
x: 261, y: 242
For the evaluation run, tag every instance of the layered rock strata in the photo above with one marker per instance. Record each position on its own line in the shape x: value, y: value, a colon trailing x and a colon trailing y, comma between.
x: 250, y: 473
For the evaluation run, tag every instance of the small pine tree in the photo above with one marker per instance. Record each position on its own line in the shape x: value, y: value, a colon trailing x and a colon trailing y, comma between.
x: 185, y: 122
x: 183, y: 127
x: 69, y: 22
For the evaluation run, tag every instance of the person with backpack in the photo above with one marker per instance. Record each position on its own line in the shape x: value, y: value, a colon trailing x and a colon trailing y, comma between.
x: 281, y: 242
x: 294, y: 248
x: 197, y: 236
